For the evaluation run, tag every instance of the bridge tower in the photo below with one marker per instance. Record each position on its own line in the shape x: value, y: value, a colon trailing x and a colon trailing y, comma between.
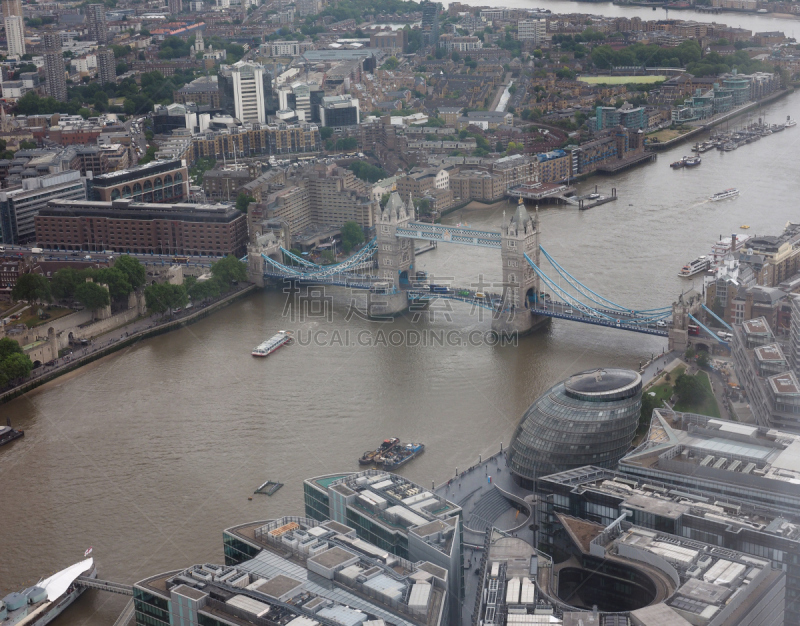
x: 520, y: 236
x: 687, y: 303
x: 395, y: 254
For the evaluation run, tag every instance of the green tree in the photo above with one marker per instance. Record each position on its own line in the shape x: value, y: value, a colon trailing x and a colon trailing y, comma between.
x: 228, y: 270
x: 163, y: 297
x: 203, y: 289
x: 27, y: 145
x: 92, y: 296
x: 243, y: 200
x: 325, y: 132
x: 352, y: 235
x: 649, y: 403
x: 366, y: 171
x: 64, y: 282
x: 689, y: 390
x: 132, y: 269
x: 118, y: 285
x: 7, y: 347
x: 390, y: 64
x: 16, y: 366
x: 690, y: 353
x: 32, y: 288
x: 702, y: 359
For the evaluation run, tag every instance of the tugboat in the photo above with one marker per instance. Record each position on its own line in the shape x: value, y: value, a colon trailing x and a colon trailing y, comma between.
x: 375, y: 456
x: 789, y: 122
x: 692, y: 161
x: 676, y: 165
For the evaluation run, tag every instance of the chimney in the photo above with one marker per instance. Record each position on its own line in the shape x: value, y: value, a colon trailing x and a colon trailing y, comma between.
x: 733, y: 242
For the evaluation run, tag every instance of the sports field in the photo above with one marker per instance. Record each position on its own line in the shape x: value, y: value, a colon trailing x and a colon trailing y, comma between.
x: 621, y: 80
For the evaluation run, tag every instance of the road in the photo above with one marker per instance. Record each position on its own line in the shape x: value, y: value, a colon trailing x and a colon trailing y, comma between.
x: 138, y: 140
x: 88, y: 257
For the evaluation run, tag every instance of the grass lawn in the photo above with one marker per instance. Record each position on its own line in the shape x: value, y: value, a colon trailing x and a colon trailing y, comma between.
x: 31, y: 316
x: 709, y: 404
x: 667, y: 133
x: 621, y: 80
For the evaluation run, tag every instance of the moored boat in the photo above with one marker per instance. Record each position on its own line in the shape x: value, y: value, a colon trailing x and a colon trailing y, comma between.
x: 789, y: 122
x: 692, y: 161
x: 401, y: 455
x: 46, y: 600
x: 278, y: 340
x: 700, y: 264
x: 677, y: 164
x: 8, y: 434
x: 374, y: 456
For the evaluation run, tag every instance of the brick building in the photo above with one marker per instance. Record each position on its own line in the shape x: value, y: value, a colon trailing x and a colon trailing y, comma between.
x: 127, y: 226
x: 158, y: 181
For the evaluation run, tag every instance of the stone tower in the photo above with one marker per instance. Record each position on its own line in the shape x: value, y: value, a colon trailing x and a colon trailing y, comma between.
x: 395, y: 254
x: 520, y: 236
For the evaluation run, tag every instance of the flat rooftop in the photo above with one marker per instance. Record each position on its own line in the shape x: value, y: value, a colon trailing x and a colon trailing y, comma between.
x: 784, y: 384
x: 757, y: 326
x: 771, y: 352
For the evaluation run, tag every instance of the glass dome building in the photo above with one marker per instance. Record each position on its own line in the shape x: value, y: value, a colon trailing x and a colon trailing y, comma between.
x: 588, y: 419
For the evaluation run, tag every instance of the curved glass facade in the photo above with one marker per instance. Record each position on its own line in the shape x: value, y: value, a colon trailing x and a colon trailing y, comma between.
x: 588, y: 419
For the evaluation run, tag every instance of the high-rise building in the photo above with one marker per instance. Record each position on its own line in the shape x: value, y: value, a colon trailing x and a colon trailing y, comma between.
x: 248, y: 91
x: 12, y: 7
x: 532, y: 30
x: 96, y: 23
x: 15, y: 35
x: 338, y: 111
x: 430, y: 21
x: 175, y: 6
x: 54, y: 66
x: 106, y: 66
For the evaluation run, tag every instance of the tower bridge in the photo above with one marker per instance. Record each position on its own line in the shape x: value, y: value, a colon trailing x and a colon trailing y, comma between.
x: 528, y: 296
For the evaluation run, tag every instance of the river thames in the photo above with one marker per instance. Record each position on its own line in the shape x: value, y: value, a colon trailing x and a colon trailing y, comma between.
x: 148, y: 454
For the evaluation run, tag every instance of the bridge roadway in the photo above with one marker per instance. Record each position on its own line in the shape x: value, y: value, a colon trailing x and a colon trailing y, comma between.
x: 104, y: 585
x: 553, y: 308
x: 490, y: 301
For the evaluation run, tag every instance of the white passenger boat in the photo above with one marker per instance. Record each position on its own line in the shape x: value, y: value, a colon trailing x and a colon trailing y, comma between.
x: 281, y: 338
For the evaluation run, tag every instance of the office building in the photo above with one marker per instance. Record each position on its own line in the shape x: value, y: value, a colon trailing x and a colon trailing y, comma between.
x: 157, y: 181
x: 728, y: 459
x: 337, y: 111
x: 142, y: 228
x: 226, y: 183
x: 590, y: 418
x: 248, y: 92
x: 12, y: 7
x: 175, y: 6
x: 54, y: 66
x: 292, y: 206
x: 395, y: 515
x: 96, y: 25
x: 338, y: 196
x: 602, y: 496
x: 15, y: 35
x: 304, y: 99
x: 532, y: 31
x: 106, y: 66
x: 623, y: 575
x: 297, y: 572
x: 19, y: 207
